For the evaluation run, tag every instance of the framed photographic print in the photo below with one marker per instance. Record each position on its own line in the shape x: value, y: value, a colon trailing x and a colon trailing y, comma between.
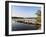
x: 24, y: 18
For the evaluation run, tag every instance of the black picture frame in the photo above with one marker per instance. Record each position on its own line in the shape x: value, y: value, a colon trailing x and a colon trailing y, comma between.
x: 7, y: 17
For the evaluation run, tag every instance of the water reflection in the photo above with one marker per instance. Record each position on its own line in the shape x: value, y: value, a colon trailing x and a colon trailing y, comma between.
x: 21, y: 26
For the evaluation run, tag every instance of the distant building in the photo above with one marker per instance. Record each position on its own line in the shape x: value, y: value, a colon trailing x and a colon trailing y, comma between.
x: 30, y: 20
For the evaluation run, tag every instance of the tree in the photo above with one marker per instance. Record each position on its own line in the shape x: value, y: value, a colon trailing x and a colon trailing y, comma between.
x: 38, y: 19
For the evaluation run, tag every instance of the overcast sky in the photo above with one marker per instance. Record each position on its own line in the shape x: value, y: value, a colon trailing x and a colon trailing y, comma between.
x: 24, y: 11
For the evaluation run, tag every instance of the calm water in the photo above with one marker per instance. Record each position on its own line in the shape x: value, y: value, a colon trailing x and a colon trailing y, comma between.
x: 21, y: 26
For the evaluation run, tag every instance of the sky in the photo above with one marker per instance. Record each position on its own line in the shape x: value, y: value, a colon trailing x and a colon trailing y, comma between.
x: 24, y: 11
